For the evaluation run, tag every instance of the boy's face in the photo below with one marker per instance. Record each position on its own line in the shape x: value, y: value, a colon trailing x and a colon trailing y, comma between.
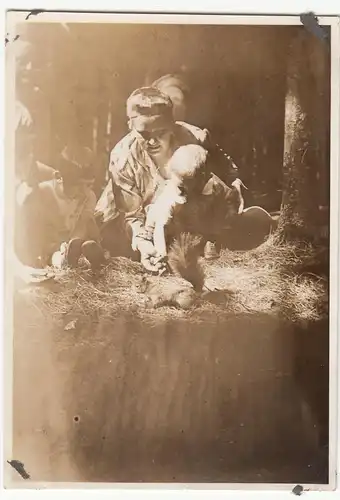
x: 155, y: 140
x: 190, y: 185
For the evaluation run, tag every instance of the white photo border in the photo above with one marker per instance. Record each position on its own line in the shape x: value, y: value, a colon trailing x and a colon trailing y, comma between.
x: 14, y: 18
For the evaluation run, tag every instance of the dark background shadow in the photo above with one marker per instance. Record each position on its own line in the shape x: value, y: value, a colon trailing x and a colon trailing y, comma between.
x: 75, y: 82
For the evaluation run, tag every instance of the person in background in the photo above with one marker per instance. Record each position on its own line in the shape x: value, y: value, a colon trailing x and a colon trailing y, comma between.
x: 137, y: 166
x: 55, y: 222
x: 176, y: 88
x: 28, y: 170
x: 28, y: 173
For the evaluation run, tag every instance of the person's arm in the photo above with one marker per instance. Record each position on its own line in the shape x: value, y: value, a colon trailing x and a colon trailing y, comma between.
x: 224, y: 167
x: 88, y: 219
x: 120, y: 197
x: 22, y: 115
x: 222, y: 164
x: 130, y: 202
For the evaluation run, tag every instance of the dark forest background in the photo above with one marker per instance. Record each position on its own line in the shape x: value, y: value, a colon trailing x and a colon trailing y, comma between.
x: 75, y: 80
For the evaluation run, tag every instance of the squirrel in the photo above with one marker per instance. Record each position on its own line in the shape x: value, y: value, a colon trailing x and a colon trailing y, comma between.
x: 184, y: 263
x: 183, y: 259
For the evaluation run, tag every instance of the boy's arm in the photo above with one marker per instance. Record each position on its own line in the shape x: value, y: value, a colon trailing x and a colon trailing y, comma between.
x: 130, y: 202
x: 224, y: 167
x: 222, y: 164
x: 86, y: 226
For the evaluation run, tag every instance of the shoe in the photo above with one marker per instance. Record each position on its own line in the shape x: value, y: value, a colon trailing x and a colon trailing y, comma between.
x: 210, y: 251
x: 94, y: 254
x: 72, y: 253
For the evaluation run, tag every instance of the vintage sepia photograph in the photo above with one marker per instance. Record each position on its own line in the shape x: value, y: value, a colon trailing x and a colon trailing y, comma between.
x: 171, y: 242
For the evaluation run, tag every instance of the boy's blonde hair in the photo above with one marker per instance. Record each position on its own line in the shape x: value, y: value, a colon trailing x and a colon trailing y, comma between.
x: 188, y: 160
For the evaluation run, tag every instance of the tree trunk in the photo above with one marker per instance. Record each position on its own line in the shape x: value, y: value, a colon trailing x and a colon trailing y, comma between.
x: 306, y: 158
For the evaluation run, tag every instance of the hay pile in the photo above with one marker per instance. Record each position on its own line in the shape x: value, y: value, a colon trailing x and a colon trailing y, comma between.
x: 269, y: 279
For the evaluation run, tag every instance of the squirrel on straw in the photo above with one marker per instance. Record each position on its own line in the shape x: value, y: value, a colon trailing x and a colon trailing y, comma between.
x: 179, y: 218
x: 183, y: 260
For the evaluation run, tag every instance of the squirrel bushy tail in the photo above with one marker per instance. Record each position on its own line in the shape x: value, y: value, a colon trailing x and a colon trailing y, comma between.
x: 183, y: 259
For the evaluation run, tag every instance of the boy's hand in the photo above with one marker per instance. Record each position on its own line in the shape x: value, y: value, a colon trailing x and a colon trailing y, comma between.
x: 238, y: 184
x: 149, y: 258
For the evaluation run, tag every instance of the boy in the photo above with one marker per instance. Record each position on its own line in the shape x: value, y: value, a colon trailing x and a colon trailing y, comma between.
x: 55, y: 219
x: 138, y: 163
